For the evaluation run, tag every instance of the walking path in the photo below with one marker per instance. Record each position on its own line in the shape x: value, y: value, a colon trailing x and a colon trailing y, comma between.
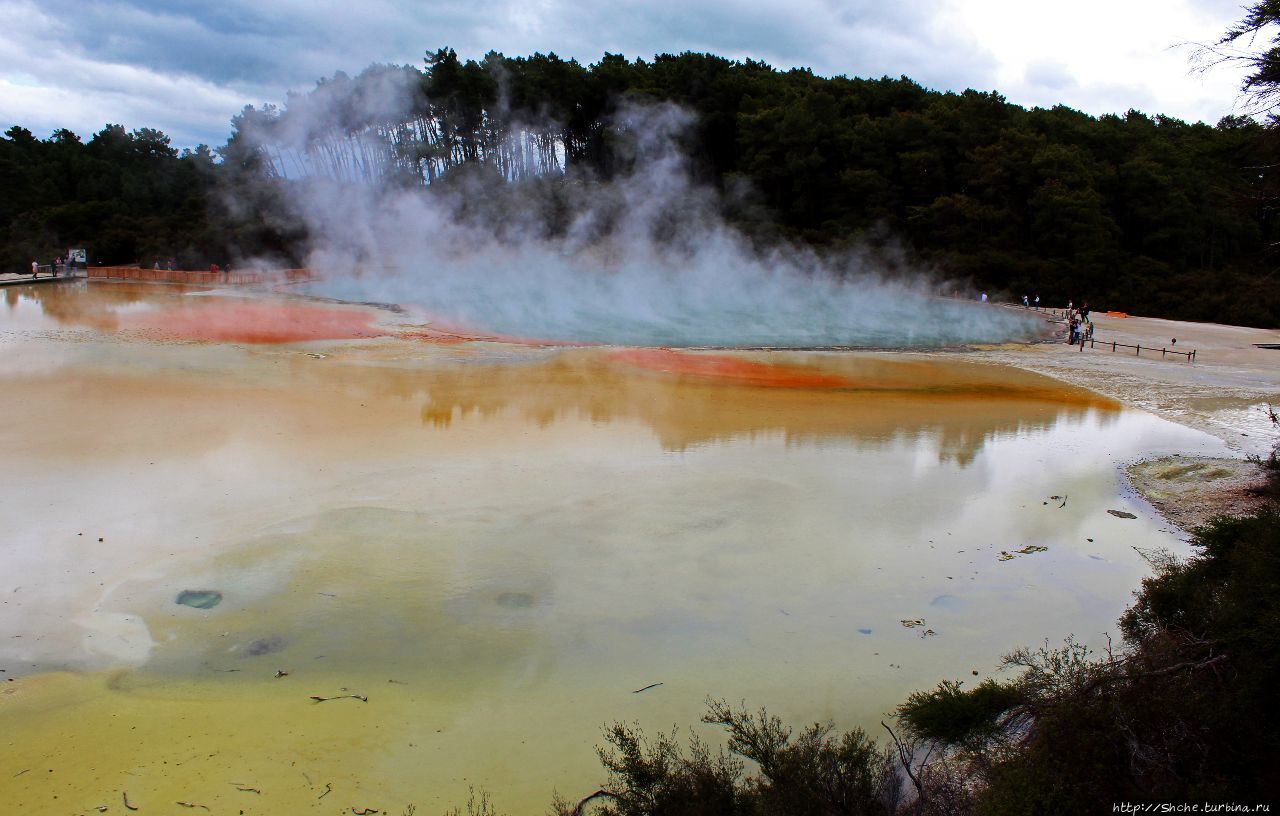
x: 15, y: 280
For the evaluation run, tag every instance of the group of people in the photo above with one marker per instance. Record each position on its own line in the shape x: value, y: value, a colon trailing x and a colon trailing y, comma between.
x: 57, y: 266
x: 169, y: 265
x: 1080, y: 327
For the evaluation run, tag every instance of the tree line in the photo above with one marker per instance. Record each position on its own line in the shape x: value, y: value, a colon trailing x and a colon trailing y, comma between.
x: 1140, y: 213
x: 130, y: 196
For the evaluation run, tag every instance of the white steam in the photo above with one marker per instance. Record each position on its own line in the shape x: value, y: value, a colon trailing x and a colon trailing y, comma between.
x: 643, y: 259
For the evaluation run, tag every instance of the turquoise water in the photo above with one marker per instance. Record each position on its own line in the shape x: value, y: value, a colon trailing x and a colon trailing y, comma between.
x: 689, y: 309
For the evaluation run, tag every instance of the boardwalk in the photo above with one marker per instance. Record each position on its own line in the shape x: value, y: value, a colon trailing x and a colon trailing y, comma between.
x: 18, y: 280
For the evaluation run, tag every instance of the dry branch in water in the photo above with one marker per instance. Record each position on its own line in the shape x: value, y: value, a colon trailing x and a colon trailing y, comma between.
x: 905, y: 758
x: 359, y: 697
x: 582, y: 803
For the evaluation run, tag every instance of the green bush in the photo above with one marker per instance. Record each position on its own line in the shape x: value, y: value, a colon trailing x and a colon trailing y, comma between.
x: 816, y: 773
x: 949, y: 714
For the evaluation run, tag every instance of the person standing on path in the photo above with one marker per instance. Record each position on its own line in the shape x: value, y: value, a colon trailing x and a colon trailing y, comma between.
x: 35, y: 268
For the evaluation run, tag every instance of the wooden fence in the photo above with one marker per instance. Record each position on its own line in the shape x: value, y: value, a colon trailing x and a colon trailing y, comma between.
x: 1138, y: 349
x: 204, y: 277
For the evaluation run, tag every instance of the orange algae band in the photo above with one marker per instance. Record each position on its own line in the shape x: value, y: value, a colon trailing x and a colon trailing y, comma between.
x: 905, y: 378
x: 254, y: 323
x: 727, y: 367
x: 445, y: 330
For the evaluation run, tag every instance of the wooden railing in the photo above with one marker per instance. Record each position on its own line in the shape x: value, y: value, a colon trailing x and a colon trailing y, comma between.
x: 204, y: 277
x: 1138, y: 349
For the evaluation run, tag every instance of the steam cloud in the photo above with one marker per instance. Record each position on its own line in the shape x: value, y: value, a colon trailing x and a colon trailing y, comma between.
x: 642, y: 259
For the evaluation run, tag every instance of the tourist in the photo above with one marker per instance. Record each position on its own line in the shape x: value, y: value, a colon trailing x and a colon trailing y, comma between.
x: 1037, y: 301
x: 35, y: 268
x: 156, y: 265
x: 171, y: 264
x: 984, y: 297
x: 213, y: 267
x: 1026, y: 304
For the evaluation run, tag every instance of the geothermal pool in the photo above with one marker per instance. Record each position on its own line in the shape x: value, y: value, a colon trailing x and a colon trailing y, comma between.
x: 698, y: 307
x: 498, y: 544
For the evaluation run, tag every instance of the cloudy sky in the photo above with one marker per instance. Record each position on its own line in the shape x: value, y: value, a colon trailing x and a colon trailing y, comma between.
x: 186, y: 67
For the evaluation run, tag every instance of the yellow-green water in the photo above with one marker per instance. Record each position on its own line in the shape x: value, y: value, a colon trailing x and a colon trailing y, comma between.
x: 498, y: 544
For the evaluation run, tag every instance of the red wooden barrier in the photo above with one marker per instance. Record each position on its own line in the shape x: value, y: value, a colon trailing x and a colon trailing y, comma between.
x: 203, y: 277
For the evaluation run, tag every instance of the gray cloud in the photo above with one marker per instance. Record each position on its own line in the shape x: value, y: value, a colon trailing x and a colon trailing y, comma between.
x: 187, y: 67
x: 1049, y: 74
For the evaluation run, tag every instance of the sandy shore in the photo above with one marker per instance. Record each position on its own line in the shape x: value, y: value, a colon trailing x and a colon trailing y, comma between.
x: 1225, y: 392
x: 1191, y: 491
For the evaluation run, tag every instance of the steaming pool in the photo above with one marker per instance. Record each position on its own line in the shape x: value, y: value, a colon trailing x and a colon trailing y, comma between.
x: 498, y: 544
x: 640, y: 306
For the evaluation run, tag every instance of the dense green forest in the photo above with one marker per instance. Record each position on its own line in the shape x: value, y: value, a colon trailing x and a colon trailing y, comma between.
x: 1140, y: 213
x: 129, y: 196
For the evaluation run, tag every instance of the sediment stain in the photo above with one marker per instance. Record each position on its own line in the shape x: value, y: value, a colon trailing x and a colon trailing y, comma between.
x: 199, y: 598
x: 229, y: 321
x: 730, y: 368
x: 179, y: 312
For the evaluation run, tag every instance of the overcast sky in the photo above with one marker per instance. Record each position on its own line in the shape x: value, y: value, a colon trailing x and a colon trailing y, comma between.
x: 186, y: 67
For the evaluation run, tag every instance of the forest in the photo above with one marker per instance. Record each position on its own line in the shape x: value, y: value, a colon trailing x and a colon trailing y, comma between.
x: 1140, y: 213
